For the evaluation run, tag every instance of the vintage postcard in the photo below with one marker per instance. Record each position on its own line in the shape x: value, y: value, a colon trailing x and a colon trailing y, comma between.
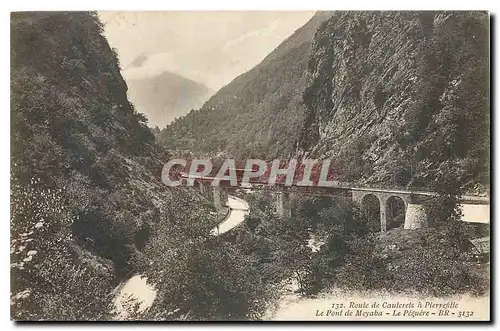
x: 251, y: 165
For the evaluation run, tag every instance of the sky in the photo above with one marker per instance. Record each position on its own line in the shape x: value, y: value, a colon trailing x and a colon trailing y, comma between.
x: 208, y: 47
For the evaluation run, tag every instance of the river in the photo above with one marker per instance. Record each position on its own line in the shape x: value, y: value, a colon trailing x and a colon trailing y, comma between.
x: 136, y: 290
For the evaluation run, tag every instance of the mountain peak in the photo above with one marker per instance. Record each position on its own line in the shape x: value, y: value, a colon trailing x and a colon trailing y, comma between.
x: 160, y: 94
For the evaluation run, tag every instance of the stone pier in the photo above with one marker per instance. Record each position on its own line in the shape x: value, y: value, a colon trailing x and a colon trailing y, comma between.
x: 224, y: 196
x: 217, y: 194
x: 415, y: 216
x: 283, y: 208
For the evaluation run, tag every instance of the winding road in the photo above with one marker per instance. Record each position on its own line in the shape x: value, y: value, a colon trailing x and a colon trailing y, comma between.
x: 238, y: 208
x: 137, y: 290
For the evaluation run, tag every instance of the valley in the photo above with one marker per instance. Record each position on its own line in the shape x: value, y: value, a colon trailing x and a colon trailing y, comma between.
x: 396, y: 102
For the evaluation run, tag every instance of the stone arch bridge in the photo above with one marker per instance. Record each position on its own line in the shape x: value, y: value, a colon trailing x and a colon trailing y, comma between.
x: 415, y: 216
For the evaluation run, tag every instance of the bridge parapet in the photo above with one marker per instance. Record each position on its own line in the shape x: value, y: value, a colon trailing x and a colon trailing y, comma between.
x: 414, y: 200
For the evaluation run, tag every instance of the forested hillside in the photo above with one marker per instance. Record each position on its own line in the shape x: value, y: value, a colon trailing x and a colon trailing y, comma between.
x: 393, y: 98
x: 165, y: 96
x: 401, y: 98
x: 260, y: 113
x: 88, y: 207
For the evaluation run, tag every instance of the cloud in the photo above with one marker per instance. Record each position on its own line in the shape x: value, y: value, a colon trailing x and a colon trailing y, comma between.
x: 209, y: 47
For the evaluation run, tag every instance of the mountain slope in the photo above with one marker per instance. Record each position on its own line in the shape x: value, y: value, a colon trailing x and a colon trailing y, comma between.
x: 166, y: 96
x: 260, y: 112
x: 86, y: 194
x: 401, y: 98
x: 88, y: 208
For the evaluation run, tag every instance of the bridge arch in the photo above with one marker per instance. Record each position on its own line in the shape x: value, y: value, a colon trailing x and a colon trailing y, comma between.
x: 395, y: 211
x: 371, y: 206
x: 385, y: 201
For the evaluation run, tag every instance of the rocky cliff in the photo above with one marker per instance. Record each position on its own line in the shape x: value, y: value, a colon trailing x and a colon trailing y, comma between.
x: 401, y: 98
x: 86, y: 193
